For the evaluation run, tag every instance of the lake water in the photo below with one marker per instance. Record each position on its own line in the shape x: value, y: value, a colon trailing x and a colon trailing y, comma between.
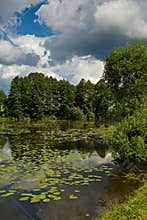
x: 54, y: 171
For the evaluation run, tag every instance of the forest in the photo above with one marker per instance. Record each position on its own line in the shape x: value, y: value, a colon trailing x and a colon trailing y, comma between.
x: 120, y: 91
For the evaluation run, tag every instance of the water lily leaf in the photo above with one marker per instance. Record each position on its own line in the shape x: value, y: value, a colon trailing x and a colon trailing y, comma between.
x: 24, y: 198
x: 34, y: 200
x: 77, y: 191
x: 72, y: 196
x: 57, y: 198
x: 46, y: 200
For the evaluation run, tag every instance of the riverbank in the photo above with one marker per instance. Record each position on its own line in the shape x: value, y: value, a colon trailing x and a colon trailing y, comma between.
x: 134, y: 208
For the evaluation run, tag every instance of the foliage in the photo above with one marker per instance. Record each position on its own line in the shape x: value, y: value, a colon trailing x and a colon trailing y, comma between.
x: 36, y: 96
x: 2, y: 102
x: 125, y: 74
x: 49, y: 118
x: 84, y: 96
x: 129, y: 138
x: 77, y: 114
x: 135, y: 208
x: 90, y: 116
x: 66, y: 99
x: 103, y: 99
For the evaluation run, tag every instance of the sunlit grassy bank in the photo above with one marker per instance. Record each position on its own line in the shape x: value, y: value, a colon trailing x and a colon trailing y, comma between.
x: 134, y: 208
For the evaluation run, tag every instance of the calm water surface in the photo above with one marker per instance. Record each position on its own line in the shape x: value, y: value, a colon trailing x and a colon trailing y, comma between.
x: 47, y: 173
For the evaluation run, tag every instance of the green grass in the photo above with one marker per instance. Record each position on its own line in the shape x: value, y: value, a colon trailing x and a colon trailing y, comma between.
x: 134, y: 208
x: 6, y: 119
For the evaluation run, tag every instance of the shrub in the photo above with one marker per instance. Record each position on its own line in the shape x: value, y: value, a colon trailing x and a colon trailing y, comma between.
x: 90, y: 116
x: 77, y: 114
x: 129, y: 138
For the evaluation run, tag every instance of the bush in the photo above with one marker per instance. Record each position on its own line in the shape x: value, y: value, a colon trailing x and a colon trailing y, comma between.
x: 129, y: 138
x: 90, y: 116
x: 49, y: 118
x: 77, y: 114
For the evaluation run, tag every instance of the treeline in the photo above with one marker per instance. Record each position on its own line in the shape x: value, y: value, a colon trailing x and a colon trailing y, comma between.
x: 121, y: 90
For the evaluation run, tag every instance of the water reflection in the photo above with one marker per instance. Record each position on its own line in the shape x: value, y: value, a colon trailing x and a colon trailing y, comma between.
x: 53, y: 171
x: 5, y: 151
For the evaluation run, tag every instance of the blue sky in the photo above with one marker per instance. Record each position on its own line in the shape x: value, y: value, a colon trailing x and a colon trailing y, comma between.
x: 65, y: 39
x: 28, y: 24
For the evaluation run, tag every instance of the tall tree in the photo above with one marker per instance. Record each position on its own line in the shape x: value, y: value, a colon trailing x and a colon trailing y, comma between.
x: 126, y: 74
x: 14, y: 103
x: 103, y: 99
x: 66, y: 98
x: 36, y: 81
x: 85, y: 96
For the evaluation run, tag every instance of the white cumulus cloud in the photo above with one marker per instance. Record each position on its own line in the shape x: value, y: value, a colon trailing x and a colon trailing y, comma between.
x: 85, y: 67
x: 124, y: 16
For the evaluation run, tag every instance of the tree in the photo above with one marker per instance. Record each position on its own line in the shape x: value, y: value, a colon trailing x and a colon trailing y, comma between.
x: 37, y: 95
x: 85, y: 96
x: 103, y: 99
x: 14, y: 102
x: 126, y: 73
x: 66, y: 98
x: 77, y: 114
x: 2, y: 102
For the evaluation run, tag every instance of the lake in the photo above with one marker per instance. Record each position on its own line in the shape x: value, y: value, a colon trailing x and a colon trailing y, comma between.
x: 58, y: 171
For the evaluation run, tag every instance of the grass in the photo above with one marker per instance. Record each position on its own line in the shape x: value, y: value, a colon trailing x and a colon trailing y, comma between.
x: 135, y: 208
x: 6, y: 119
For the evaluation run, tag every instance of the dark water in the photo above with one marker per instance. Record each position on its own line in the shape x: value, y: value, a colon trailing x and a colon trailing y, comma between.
x: 53, y: 171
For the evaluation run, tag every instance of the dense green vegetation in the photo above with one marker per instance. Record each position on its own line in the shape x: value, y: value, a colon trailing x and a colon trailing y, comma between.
x: 129, y: 137
x: 135, y: 208
x: 121, y: 90
x: 126, y: 75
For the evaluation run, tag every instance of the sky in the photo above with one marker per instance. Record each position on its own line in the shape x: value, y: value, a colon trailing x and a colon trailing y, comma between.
x: 67, y: 39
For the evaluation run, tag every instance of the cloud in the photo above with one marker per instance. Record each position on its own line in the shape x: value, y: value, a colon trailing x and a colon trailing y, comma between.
x: 30, y: 44
x: 86, y: 67
x: 78, y: 67
x: 122, y: 16
x: 8, y: 8
x: 10, y: 54
x: 26, y: 55
x: 93, y: 27
x: 66, y: 15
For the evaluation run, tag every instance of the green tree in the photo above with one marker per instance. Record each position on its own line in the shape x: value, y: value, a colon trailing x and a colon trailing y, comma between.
x: 36, y: 109
x: 2, y: 102
x: 103, y: 100
x: 85, y: 96
x: 126, y: 74
x: 14, y: 103
x: 66, y: 98
x: 77, y: 114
